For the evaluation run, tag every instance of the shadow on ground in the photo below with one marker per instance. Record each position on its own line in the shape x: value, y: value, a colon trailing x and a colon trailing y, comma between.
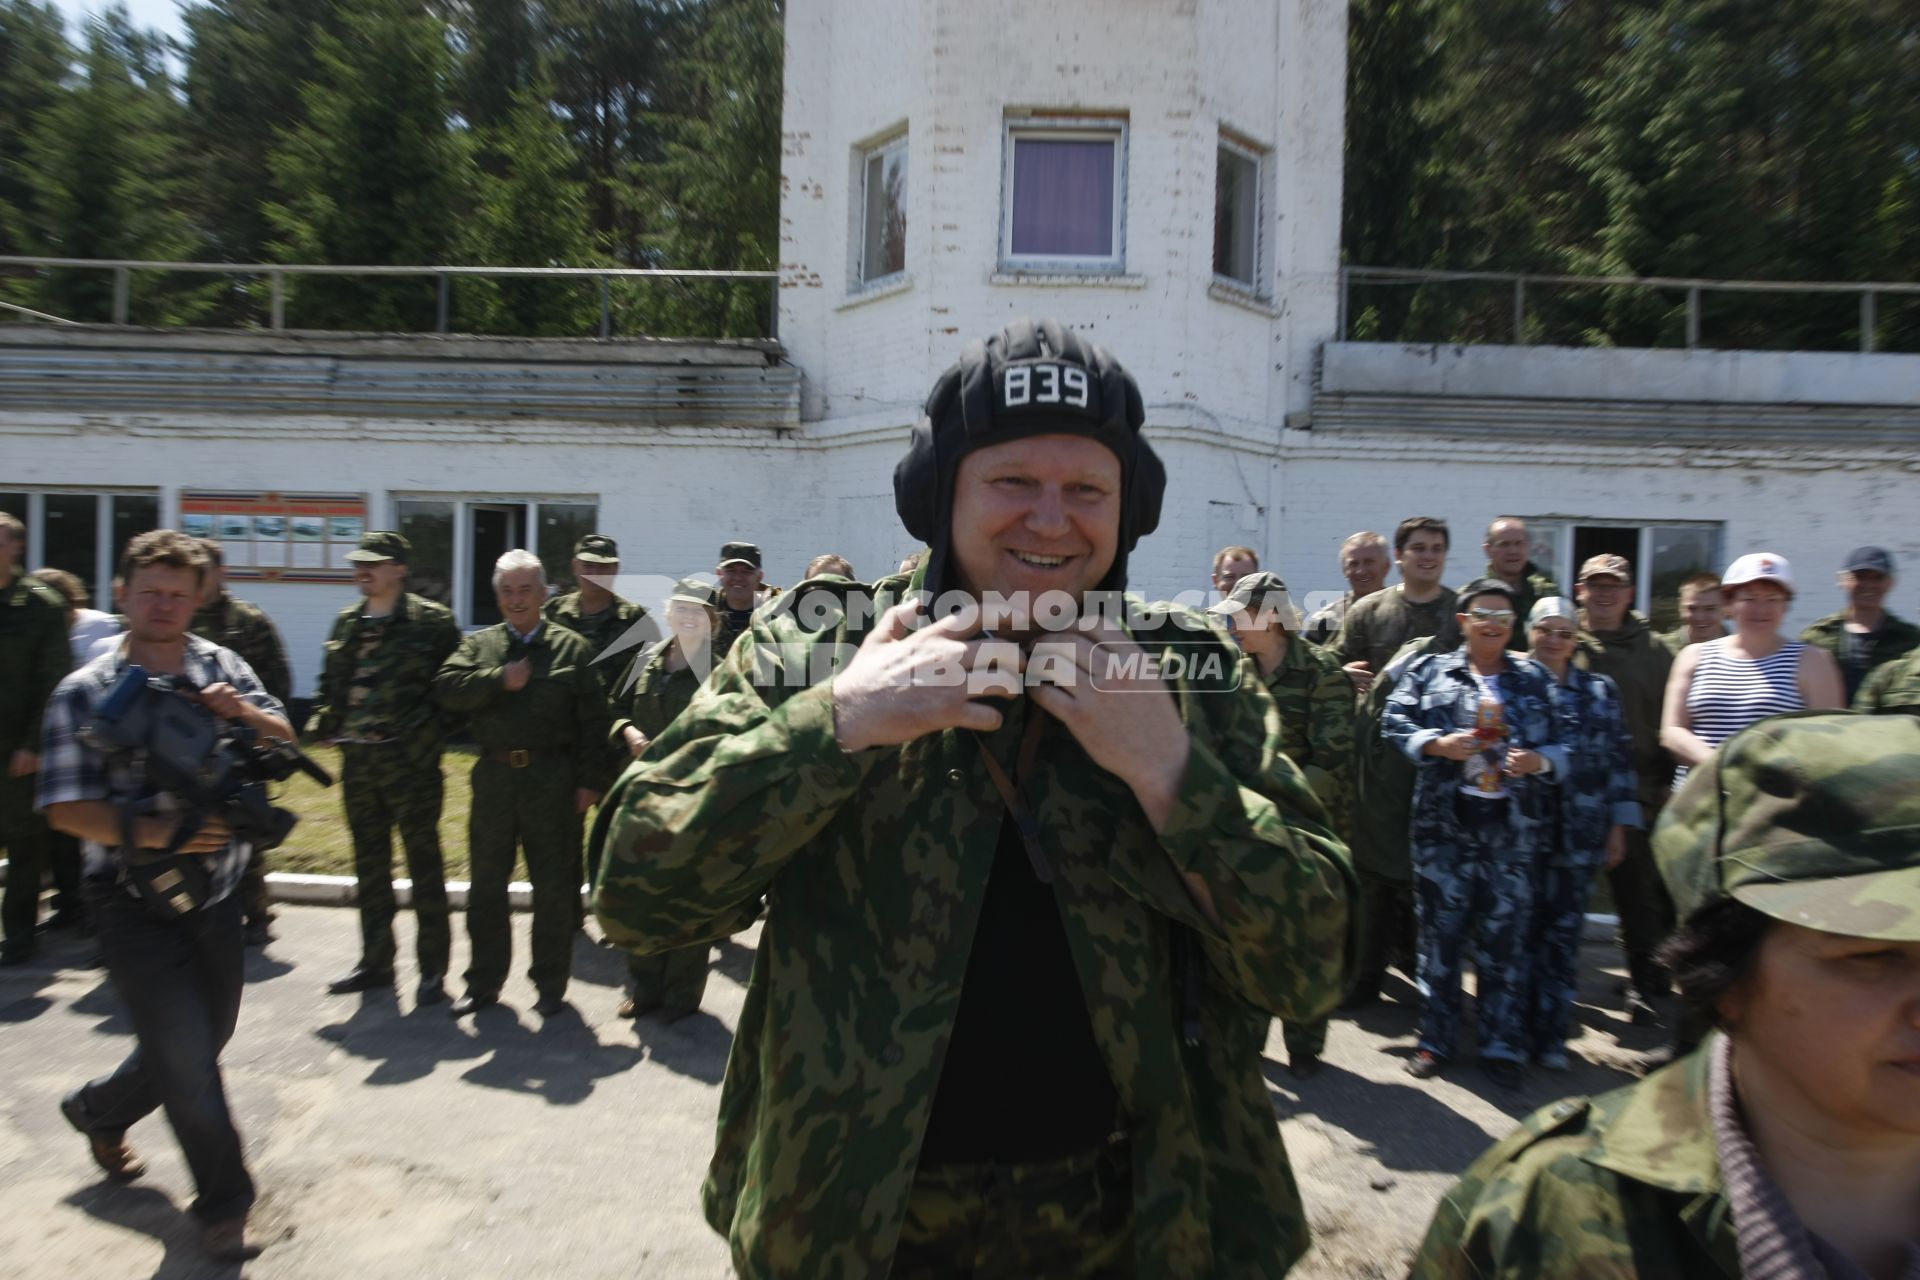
x: 150, y: 1212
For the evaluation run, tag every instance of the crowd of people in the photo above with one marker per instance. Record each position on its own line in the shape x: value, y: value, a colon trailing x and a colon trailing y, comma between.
x: 977, y: 904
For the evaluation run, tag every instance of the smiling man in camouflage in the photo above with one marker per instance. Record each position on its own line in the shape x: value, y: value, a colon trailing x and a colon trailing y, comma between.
x: 1019, y: 951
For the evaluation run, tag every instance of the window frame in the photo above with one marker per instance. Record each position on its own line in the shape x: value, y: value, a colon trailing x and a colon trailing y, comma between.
x: 864, y: 155
x: 1259, y: 284
x: 105, y: 552
x: 1565, y: 570
x: 1074, y: 128
x: 460, y: 572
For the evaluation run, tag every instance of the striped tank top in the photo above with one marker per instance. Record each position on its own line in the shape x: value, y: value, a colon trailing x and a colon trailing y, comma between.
x: 1729, y: 693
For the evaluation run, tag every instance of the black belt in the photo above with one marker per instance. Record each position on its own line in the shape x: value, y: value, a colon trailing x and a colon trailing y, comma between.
x: 520, y: 757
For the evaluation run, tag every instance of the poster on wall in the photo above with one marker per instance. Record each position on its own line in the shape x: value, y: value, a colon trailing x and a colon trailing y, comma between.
x: 278, y: 537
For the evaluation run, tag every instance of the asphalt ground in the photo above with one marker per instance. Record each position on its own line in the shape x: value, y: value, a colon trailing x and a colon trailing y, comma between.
x: 390, y: 1141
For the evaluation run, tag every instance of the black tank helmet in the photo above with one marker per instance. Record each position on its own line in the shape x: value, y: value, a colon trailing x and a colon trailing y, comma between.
x: 1034, y: 377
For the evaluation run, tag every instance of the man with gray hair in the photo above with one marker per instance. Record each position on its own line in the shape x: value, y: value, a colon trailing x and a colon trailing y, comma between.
x: 534, y: 704
x: 1364, y: 563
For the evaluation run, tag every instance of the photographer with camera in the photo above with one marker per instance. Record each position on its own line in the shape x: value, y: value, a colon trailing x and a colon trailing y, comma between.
x: 161, y: 885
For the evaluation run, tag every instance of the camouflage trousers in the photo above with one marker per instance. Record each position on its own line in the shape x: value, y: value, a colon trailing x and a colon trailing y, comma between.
x: 1474, y: 890
x: 383, y: 790
x: 528, y: 809
x: 673, y: 980
x: 23, y: 833
x: 1060, y: 1218
x: 1387, y: 934
x: 254, y: 899
x: 1560, y: 901
x: 1646, y: 914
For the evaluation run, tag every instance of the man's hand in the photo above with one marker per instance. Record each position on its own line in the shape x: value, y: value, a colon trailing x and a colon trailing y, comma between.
x: 637, y: 741
x: 515, y: 674
x: 23, y: 763
x: 1454, y: 746
x: 1520, y: 762
x: 903, y: 684
x: 223, y: 700
x: 154, y: 832
x: 1127, y: 723
x: 1616, y: 846
x: 584, y: 798
x: 1361, y: 673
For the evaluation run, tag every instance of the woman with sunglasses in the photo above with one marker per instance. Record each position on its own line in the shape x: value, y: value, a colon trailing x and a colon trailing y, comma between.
x: 1720, y: 687
x: 1479, y: 724
x: 1599, y: 801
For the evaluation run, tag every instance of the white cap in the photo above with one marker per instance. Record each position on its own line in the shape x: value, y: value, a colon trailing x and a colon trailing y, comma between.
x: 1759, y: 566
x: 1551, y: 607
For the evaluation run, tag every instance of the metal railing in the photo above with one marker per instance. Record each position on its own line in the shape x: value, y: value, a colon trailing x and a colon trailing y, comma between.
x: 1868, y: 292
x: 276, y: 276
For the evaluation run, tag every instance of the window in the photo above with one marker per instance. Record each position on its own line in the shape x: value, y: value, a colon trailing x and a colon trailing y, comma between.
x: 883, y: 216
x: 1662, y: 555
x: 1065, y: 193
x: 457, y: 540
x: 1237, y: 221
x: 82, y: 532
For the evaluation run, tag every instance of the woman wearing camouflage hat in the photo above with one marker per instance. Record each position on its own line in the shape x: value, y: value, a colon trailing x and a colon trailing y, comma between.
x: 1788, y: 1144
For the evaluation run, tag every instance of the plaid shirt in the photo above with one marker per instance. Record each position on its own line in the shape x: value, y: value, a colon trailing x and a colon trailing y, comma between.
x: 71, y: 770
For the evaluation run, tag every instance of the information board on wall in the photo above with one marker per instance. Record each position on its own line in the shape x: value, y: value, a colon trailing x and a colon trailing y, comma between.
x: 282, y: 537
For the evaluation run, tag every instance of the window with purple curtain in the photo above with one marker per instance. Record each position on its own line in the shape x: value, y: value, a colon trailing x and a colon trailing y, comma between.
x: 1063, y: 197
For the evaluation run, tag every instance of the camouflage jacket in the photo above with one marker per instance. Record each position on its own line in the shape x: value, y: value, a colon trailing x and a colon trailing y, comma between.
x: 1638, y: 663
x: 1378, y: 625
x: 730, y: 630
x: 419, y: 636
x: 34, y: 658
x: 1893, y: 686
x: 561, y: 709
x: 1315, y: 700
x: 615, y: 634
x: 1535, y: 586
x: 246, y: 629
x: 1323, y: 628
x: 1626, y: 1184
x: 658, y: 695
x: 1896, y: 638
x: 1382, y: 777
x: 1676, y: 639
x: 874, y: 869
x: 1599, y: 790
x: 1435, y: 698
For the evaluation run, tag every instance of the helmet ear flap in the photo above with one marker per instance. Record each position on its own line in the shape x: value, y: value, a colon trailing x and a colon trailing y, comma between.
x: 916, y: 479
x: 1145, y: 488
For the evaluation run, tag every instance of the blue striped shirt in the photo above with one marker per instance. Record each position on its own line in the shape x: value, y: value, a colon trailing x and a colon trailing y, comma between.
x: 1729, y: 693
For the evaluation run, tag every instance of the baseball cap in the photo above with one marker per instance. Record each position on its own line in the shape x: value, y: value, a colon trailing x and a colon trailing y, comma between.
x: 1257, y: 592
x: 1811, y: 818
x: 597, y: 548
x: 1606, y: 565
x: 1481, y: 587
x: 381, y: 544
x: 694, y: 591
x: 1873, y: 559
x: 1552, y: 607
x: 739, y: 553
x: 1759, y: 566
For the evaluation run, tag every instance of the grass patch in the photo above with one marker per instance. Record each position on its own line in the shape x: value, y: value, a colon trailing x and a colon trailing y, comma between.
x: 321, y: 845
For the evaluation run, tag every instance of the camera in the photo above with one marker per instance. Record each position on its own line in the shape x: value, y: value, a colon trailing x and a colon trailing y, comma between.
x: 213, y: 767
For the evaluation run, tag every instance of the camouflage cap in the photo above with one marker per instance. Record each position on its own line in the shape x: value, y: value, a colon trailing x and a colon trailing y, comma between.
x: 381, y: 544
x: 1606, y: 566
x: 597, y: 548
x: 739, y: 553
x: 1812, y: 818
x: 1259, y: 592
x: 694, y: 591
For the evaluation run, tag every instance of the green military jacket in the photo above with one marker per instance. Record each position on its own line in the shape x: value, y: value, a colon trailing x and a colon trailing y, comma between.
x: 1383, y: 777
x: 1315, y: 701
x: 623, y: 620
x: 874, y: 868
x: 1676, y: 639
x: 1892, y: 686
x: 561, y: 710
x: 658, y: 695
x: 34, y: 657
x: 1626, y: 1184
x: 419, y: 636
x: 1638, y: 663
x: 1896, y: 638
x: 246, y: 629
x: 729, y: 630
x: 1537, y: 586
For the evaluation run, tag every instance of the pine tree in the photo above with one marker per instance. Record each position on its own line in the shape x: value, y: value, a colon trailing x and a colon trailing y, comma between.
x: 35, y: 64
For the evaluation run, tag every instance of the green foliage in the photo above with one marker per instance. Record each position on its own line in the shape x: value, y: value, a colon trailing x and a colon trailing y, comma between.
x: 34, y: 62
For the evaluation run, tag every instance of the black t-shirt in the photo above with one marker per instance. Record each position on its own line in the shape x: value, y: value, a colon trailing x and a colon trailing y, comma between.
x: 1023, y: 1078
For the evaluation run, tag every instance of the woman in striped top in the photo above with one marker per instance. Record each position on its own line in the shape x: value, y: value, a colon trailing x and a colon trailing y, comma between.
x: 1719, y: 687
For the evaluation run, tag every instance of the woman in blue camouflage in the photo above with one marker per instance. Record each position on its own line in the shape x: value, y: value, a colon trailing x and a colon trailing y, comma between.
x: 1598, y: 802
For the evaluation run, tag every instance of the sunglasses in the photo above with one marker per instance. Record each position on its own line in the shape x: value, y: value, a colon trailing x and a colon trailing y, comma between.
x: 1490, y: 615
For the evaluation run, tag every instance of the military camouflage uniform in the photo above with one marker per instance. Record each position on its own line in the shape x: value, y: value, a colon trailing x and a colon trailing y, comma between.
x: 1676, y: 639
x: 1467, y: 883
x: 731, y: 628
x: 246, y: 629
x: 1638, y: 664
x: 1893, y: 686
x: 537, y: 745
x: 674, y: 979
x: 874, y: 865
x: 1896, y: 638
x: 34, y: 658
x: 1315, y: 701
x: 1324, y: 626
x: 1378, y: 625
x: 1598, y: 793
x: 376, y: 698
x: 1534, y: 587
